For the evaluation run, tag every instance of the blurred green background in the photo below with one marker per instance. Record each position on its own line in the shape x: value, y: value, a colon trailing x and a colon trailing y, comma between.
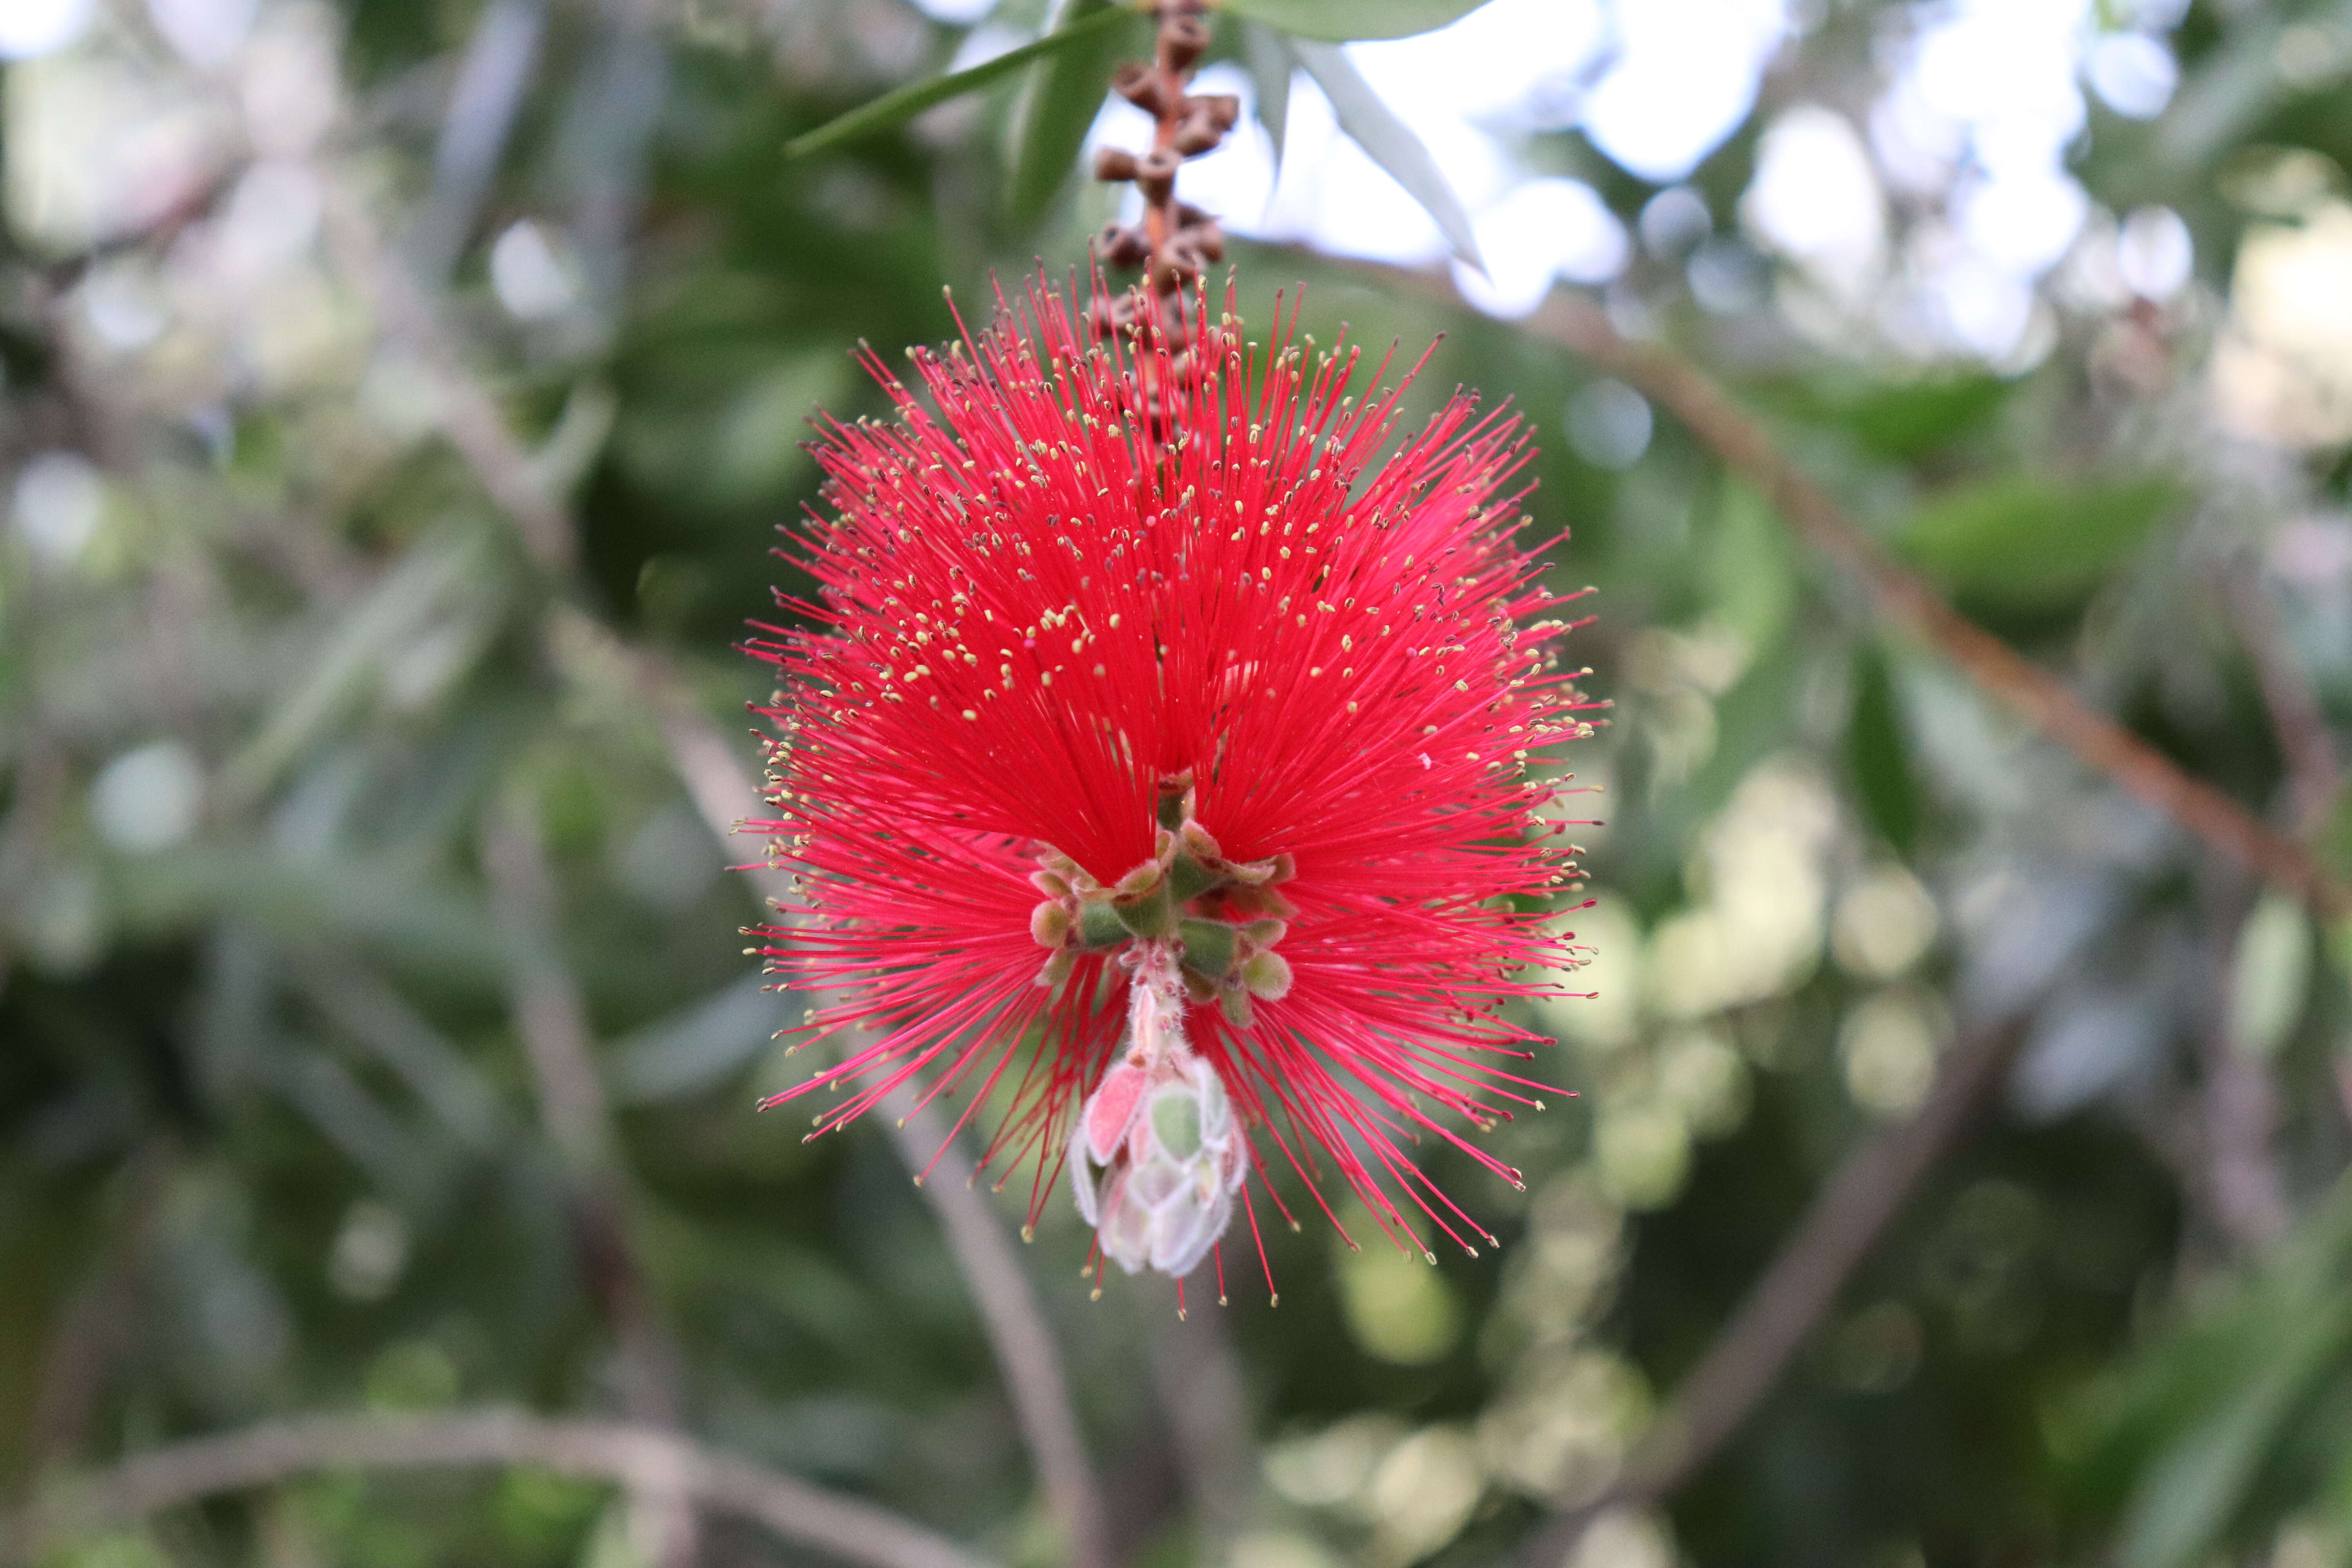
x: 401, y: 400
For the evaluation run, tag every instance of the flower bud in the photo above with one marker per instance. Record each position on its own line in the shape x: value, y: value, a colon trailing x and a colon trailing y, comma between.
x: 1267, y: 975
x: 1099, y: 925
x: 1155, y: 1161
x: 1208, y: 946
x: 1188, y: 878
x: 1049, y: 924
x: 1148, y: 914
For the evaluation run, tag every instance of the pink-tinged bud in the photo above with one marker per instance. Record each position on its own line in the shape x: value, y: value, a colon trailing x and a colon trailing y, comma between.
x: 1159, y: 1189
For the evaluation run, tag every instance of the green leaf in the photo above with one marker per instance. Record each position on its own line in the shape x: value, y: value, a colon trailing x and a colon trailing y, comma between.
x: 2188, y: 1496
x: 1907, y: 418
x: 1390, y: 143
x: 1878, y: 756
x: 1059, y: 105
x: 1749, y: 577
x: 2270, y: 976
x: 2028, y: 542
x: 1341, y: 21
x: 895, y: 108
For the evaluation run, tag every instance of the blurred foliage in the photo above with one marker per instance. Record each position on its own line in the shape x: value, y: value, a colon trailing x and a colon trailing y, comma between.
x: 284, y: 688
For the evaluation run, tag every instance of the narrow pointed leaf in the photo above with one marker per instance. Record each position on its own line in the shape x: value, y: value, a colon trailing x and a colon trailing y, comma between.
x: 896, y: 108
x: 1340, y: 21
x: 1389, y: 142
x: 1879, y: 755
x: 1063, y: 97
x: 1270, y: 60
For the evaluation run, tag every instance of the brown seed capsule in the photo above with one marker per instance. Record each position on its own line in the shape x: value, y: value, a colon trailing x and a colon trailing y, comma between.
x: 1195, y: 134
x: 1155, y: 173
x: 1224, y: 110
x: 1183, y: 41
x: 1118, y: 245
x: 1139, y: 84
x: 1114, y: 163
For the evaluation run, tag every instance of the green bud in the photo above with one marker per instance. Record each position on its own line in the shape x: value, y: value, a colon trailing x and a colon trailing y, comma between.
x: 1188, y: 878
x: 1258, y: 903
x: 1175, y: 802
x: 1147, y: 915
x: 1235, y: 1003
x: 1200, y: 988
x: 1050, y: 884
x: 1058, y: 968
x: 1267, y: 976
x: 1049, y: 923
x: 1137, y: 880
x: 1099, y: 925
x: 1202, y: 842
x: 1264, y: 934
x: 1285, y: 867
x: 1208, y: 946
x: 1251, y: 873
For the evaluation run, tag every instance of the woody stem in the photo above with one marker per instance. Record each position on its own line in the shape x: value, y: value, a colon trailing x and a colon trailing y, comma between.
x: 1172, y: 53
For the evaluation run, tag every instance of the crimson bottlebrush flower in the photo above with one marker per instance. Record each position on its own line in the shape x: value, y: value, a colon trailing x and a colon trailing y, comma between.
x: 1154, y: 756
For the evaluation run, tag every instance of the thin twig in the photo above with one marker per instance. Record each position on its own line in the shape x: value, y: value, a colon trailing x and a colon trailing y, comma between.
x: 1803, y: 1283
x: 640, y: 1458
x: 725, y: 795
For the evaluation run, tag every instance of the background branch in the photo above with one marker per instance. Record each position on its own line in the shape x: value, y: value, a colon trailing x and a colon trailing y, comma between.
x: 1803, y: 1283
x: 1906, y: 600
x: 640, y: 1458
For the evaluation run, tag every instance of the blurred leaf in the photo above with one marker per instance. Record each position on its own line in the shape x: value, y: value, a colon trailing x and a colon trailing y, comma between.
x: 356, y: 648
x: 1270, y: 61
x: 2270, y: 976
x: 896, y: 108
x: 2210, y: 1403
x: 1339, y: 21
x: 2333, y: 843
x: 2025, y: 541
x: 696, y: 1050
x: 1878, y: 754
x: 2187, y: 1498
x: 1752, y: 719
x: 377, y: 904
x: 1750, y: 575
x: 1060, y: 104
x: 1903, y: 419
x: 1389, y: 142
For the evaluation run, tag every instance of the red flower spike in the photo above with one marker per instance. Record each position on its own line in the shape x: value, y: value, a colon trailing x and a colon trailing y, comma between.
x: 1160, y: 639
